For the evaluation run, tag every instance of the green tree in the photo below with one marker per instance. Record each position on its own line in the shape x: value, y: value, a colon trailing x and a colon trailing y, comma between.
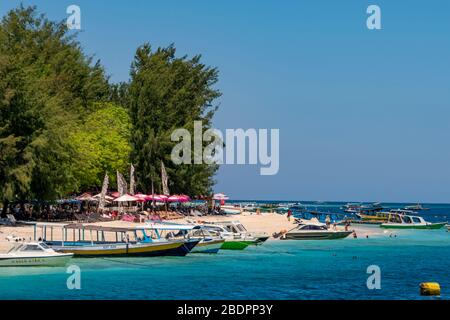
x: 103, y: 145
x: 47, y: 87
x: 167, y: 93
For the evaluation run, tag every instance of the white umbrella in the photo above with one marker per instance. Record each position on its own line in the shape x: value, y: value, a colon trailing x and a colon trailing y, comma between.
x: 126, y: 198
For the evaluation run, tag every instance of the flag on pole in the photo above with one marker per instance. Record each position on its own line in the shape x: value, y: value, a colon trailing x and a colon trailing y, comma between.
x: 132, y: 182
x: 121, y: 184
x: 164, y: 180
x: 104, y: 191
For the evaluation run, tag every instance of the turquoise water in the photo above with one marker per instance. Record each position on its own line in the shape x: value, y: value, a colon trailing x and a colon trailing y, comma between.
x: 275, y: 270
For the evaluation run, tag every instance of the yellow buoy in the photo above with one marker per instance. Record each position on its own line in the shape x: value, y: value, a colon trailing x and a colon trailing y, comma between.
x: 430, y: 289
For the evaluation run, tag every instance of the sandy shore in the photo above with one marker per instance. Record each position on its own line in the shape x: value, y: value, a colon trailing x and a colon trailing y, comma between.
x: 265, y: 222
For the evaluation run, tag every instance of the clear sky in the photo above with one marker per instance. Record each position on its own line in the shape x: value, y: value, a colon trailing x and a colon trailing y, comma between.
x: 364, y: 115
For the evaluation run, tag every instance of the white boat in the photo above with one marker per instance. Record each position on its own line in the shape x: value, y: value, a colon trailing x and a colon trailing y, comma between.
x: 206, y: 241
x: 238, y: 228
x: 314, y: 230
x: 403, y: 221
x: 230, y: 210
x: 448, y: 227
x: 417, y: 207
x: 33, y: 254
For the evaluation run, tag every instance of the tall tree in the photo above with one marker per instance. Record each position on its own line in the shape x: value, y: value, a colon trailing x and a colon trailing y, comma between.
x: 166, y: 93
x: 47, y: 87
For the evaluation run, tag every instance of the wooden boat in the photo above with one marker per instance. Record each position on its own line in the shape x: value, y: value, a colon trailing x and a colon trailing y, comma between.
x: 33, y: 254
x: 98, y: 246
x: 402, y: 221
x: 314, y: 231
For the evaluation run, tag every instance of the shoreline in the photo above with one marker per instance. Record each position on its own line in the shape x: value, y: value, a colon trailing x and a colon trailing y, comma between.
x: 265, y: 222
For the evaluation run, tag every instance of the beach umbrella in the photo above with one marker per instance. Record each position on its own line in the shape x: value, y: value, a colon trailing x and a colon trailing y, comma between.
x: 143, y: 197
x: 126, y: 198
x: 115, y: 194
x: 176, y: 198
x: 220, y: 196
x: 86, y: 197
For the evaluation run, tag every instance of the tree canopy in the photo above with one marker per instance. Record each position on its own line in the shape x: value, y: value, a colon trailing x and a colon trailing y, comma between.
x: 63, y: 125
x: 167, y: 93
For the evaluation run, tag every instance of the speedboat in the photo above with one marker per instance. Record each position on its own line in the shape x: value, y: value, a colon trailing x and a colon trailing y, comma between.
x: 204, y: 240
x: 230, y: 210
x: 314, y: 230
x: 238, y: 228
x: 403, y: 221
x: 233, y: 241
x: 33, y: 254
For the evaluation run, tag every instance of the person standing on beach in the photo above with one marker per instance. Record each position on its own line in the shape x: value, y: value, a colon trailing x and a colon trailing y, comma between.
x: 289, y: 214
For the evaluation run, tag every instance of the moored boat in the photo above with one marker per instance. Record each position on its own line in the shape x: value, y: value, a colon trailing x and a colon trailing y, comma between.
x: 403, y: 221
x: 309, y: 230
x: 96, y: 244
x: 232, y: 241
x: 238, y: 228
x: 33, y: 254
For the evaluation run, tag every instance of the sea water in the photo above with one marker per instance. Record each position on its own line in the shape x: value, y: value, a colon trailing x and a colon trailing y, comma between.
x: 335, y: 269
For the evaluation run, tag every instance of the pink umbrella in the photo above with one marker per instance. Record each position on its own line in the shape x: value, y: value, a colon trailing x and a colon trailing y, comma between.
x: 176, y: 198
x: 142, y: 197
x: 126, y: 198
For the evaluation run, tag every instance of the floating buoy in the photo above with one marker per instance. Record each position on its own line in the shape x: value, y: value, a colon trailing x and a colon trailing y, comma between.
x: 430, y: 289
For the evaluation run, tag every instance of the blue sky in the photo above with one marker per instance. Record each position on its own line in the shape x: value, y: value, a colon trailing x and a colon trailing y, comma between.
x: 363, y: 115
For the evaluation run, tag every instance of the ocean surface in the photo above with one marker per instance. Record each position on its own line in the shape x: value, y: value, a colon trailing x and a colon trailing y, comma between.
x: 334, y: 269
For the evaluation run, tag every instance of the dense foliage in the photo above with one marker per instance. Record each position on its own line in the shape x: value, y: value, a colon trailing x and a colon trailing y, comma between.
x: 63, y: 125
x: 167, y: 93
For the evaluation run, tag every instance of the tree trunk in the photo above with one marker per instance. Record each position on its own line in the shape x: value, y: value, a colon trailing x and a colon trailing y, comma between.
x: 5, y: 209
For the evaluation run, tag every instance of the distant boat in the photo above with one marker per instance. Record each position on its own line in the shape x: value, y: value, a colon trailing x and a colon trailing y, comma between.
x: 33, y: 254
x: 230, y: 210
x: 417, y: 207
x: 403, y: 221
x: 314, y: 231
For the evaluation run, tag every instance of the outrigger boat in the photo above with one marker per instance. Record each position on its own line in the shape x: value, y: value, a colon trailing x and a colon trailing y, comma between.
x: 97, y: 246
x: 403, y: 221
x: 33, y: 254
x: 314, y: 230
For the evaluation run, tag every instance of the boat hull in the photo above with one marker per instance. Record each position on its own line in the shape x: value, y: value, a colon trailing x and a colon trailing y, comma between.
x: 430, y: 226
x: 50, y: 261
x: 126, y: 250
x: 210, y: 246
x: 317, y: 235
x: 236, y: 245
